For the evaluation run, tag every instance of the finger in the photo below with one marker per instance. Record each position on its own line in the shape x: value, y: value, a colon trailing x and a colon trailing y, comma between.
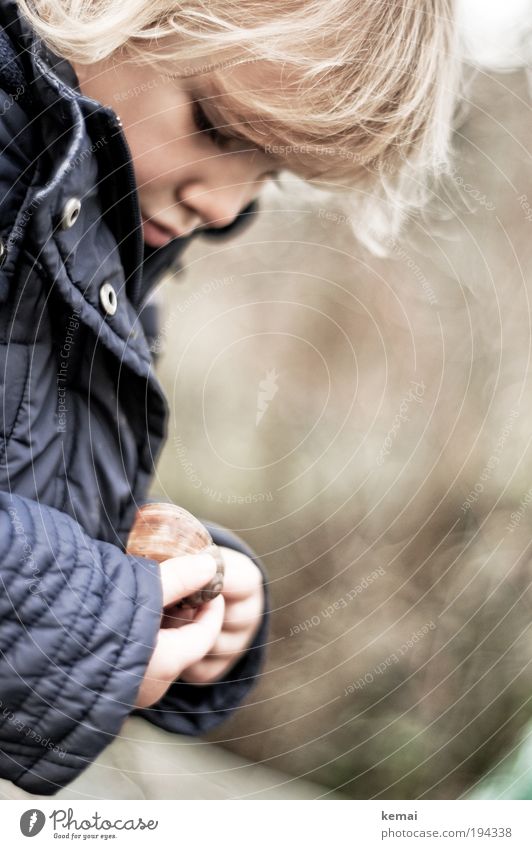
x: 240, y: 615
x: 193, y: 641
x: 230, y: 644
x: 209, y: 670
x: 175, y: 616
x: 224, y: 655
x: 183, y: 575
x: 242, y: 577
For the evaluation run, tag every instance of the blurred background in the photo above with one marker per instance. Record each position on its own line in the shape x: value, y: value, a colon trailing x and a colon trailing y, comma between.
x: 364, y: 423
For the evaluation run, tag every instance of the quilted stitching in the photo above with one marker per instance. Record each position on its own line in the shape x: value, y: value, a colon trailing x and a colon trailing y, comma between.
x: 111, y: 670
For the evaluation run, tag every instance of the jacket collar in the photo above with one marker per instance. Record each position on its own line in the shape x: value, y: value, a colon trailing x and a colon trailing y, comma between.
x: 68, y: 120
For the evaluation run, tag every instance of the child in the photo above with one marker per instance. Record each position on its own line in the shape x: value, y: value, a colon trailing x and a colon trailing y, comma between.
x: 122, y: 132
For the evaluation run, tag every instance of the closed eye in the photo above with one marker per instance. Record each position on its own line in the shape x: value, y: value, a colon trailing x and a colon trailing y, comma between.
x: 205, y: 126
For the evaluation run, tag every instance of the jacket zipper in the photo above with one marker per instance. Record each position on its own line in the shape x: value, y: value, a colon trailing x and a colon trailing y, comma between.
x: 134, y: 282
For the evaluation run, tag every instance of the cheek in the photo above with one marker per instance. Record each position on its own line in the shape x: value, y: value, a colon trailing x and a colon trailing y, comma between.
x: 159, y: 136
x: 154, y: 159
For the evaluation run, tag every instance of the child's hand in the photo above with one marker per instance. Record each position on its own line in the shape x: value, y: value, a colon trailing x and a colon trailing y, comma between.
x: 182, y: 647
x: 243, y: 594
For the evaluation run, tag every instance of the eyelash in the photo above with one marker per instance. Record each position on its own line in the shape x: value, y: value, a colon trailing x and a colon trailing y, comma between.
x: 204, y: 126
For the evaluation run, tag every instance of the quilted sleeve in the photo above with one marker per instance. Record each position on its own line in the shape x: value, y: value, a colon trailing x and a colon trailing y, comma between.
x: 197, y: 708
x: 78, y: 625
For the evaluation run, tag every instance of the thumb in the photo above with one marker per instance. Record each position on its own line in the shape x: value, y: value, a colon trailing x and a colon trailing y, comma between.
x: 181, y: 576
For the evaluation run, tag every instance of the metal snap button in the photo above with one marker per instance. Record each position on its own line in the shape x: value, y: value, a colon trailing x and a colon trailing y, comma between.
x: 3, y: 252
x: 70, y: 213
x: 108, y: 298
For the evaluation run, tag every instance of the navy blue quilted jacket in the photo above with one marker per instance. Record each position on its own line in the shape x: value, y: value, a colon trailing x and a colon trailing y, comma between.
x: 83, y: 418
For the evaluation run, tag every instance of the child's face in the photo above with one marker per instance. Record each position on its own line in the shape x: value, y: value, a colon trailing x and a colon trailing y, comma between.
x: 186, y: 176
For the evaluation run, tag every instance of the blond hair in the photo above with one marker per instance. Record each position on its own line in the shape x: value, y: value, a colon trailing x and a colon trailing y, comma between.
x: 369, y: 85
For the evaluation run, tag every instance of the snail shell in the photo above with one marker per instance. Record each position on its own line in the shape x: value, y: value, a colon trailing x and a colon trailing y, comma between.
x: 161, y: 531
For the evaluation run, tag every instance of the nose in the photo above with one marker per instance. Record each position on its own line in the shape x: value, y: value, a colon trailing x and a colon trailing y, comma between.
x: 217, y: 207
